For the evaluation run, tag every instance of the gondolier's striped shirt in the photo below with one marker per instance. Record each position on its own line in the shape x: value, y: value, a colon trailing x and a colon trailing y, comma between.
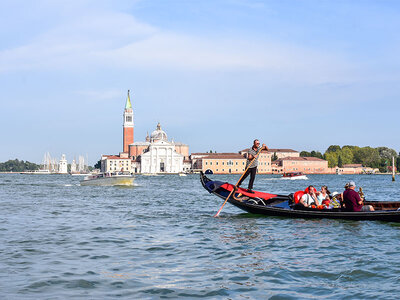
x: 253, y: 153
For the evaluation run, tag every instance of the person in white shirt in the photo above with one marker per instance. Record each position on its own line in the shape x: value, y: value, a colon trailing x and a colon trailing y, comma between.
x: 310, y: 198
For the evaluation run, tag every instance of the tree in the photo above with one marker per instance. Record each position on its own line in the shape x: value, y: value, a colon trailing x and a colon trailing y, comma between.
x: 316, y: 154
x: 333, y: 148
x: 340, y: 162
x: 346, y: 155
x: 98, y: 165
x: 367, y: 156
x: 305, y: 154
x: 18, y: 166
x: 332, y: 158
x: 274, y: 157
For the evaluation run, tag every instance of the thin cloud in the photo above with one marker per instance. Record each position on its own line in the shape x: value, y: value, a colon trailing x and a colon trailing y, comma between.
x: 118, y: 40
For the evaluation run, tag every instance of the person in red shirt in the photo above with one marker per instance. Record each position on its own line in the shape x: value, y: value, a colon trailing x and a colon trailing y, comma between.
x: 353, y: 201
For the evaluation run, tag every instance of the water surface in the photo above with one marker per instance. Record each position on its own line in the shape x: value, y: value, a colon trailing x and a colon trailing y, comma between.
x: 158, y: 239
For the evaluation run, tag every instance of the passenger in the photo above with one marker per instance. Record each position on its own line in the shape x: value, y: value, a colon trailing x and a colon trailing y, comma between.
x: 323, y: 196
x: 309, y: 199
x: 353, y: 201
x: 336, y: 200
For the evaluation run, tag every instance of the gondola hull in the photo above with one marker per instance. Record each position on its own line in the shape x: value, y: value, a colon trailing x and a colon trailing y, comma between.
x: 280, y: 205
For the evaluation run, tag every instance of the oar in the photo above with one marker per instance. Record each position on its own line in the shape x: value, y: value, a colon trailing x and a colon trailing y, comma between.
x: 251, y: 162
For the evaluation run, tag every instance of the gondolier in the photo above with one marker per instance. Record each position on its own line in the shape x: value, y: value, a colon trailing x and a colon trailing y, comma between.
x: 252, y: 163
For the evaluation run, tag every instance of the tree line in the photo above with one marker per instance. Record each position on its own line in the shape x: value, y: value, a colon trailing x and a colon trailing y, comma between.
x: 18, y: 166
x: 380, y: 157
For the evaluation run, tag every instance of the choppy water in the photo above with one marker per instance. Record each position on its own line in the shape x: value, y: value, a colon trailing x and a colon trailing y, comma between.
x: 159, y: 239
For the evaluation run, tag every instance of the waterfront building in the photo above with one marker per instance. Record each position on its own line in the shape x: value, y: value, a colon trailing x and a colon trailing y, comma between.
x: 155, y: 155
x: 116, y: 163
x: 63, y: 165
x: 355, y: 169
x: 307, y: 165
x: 282, y: 153
x: 264, y: 161
x: 158, y: 155
x: 218, y: 163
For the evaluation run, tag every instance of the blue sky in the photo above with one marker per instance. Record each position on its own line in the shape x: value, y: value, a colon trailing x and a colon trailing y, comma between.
x: 215, y: 74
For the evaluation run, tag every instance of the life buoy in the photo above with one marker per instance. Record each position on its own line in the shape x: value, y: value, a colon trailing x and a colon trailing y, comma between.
x: 297, y: 196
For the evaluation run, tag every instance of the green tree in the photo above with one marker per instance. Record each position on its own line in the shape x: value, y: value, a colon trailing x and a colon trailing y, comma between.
x: 274, y: 157
x: 367, y: 156
x: 98, y: 165
x: 305, y: 154
x: 316, y: 154
x: 332, y: 158
x: 347, y: 155
x: 333, y: 148
x: 340, y: 162
x: 17, y: 166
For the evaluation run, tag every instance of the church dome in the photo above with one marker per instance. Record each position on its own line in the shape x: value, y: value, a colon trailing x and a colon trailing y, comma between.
x: 158, y: 134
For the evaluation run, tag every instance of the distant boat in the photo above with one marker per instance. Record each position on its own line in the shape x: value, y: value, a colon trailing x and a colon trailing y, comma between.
x: 294, y: 175
x: 108, y: 179
x: 37, y: 172
x: 182, y: 174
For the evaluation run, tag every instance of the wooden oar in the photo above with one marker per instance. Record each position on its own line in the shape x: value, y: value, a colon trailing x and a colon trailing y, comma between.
x: 251, y: 162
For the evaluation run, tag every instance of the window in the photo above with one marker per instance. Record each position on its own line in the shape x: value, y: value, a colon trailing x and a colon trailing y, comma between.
x: 217, y: 163
x: 223, y: 163
x: 206, y: 163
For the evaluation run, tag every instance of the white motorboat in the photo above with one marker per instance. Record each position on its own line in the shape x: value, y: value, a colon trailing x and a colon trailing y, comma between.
x: 107, y: 179
x: 294, y: 176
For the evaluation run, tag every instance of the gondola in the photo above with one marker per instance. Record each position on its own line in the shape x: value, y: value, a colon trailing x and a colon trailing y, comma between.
x: 282, y: 205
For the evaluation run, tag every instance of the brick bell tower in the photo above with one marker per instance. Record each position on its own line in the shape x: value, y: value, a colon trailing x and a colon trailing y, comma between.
x: 128, y: 125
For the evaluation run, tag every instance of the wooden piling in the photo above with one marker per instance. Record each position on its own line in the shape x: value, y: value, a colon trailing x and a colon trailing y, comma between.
x: 393, y: 172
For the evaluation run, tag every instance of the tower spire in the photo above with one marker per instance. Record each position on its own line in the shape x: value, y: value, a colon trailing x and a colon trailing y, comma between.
x: 128, y: 125
x: 128, y: 102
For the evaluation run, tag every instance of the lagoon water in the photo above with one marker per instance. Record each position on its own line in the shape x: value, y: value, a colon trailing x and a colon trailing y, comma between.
x: 159, y: 239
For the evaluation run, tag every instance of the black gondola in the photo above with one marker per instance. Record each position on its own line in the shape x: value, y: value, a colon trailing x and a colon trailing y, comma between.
x: 282, y: 205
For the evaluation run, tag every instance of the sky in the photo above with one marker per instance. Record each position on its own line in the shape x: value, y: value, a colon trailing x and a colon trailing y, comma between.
x: 216, y: 74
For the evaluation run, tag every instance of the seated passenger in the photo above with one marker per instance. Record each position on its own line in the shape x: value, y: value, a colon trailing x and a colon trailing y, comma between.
x: 309, y: 198
x: 336, y: 200
x: 353, y: 201
x: 323, y: 196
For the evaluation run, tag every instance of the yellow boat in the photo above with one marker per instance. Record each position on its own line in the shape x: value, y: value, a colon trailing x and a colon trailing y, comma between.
x: 109, y: 179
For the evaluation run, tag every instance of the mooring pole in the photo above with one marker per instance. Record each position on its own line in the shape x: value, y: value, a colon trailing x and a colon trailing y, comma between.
x: 393, y: 172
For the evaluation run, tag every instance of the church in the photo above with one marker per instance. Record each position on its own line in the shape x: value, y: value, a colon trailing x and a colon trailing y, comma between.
x: 154, y: 155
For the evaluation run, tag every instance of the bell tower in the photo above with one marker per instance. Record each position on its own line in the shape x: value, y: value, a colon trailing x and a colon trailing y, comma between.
x: 128, y: 125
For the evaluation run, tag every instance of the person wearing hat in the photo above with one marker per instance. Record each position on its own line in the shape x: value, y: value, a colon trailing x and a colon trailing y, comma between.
x: 353, y: 201
x: 336, y: 199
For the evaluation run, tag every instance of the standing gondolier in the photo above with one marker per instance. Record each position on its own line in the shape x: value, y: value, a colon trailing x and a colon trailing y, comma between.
x: 252, y: 163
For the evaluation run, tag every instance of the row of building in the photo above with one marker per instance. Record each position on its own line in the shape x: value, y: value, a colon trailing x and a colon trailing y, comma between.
x: 159, y: 155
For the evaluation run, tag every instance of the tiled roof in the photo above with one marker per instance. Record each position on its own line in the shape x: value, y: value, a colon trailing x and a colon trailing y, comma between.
x: 224, y: 156
x: 271, y: 150
x: 282, y: 150
x: 115, y: 157
x: 303, y: 158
